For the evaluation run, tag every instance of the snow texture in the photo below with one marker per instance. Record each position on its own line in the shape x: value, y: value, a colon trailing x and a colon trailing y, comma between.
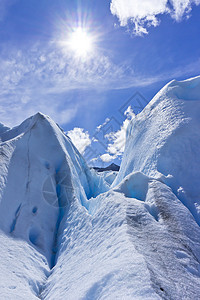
x: 67, y: 232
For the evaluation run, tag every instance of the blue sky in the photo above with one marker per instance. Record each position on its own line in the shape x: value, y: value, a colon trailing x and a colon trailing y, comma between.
x: 138, y: 46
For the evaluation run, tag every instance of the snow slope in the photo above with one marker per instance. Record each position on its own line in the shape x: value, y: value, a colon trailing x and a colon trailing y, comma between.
x: 66, y: 234
x: 41, y: 173
x: 164, y: 141
x: 133, y: 246
x: 160, y: 167
x: 109, y: 173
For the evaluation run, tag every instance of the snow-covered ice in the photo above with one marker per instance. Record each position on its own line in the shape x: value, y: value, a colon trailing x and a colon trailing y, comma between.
x: 67, y: 232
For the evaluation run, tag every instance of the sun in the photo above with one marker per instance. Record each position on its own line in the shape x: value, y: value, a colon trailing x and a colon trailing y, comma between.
x: 80, y: 42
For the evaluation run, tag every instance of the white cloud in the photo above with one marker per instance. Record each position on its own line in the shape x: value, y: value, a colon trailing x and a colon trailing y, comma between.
x: 50, y: 71
x: 38, y: 80
x: 118, y: 139
x: 144, y: 14
x: 94, y: 159
x: 17, y: 105
x: 54, y: 71
x: 129, y: 113
x: 42, y: 80
x: 102, y: 125
x: 66, y: 115
x: 107, y: 157
x: 80, y: 139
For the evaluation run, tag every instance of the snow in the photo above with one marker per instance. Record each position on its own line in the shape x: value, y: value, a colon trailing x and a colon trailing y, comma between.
x: 166, y: 234
x: 108, y: 176
x: 31, y: 154
x: 164, y: 141
x: 67, y: 232
x: 23, y: 269
x: 96, y: 256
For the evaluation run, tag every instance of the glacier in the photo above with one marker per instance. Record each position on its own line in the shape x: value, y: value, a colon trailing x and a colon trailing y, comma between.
x: 69, y: 233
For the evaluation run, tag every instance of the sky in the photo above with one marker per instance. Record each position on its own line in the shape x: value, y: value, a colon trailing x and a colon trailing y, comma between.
x: 92, y: 65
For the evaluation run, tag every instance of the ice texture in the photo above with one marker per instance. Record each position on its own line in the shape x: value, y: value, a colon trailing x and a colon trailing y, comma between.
x: 67, y: 232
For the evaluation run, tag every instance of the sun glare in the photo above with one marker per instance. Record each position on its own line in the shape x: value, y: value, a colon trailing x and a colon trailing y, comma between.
x: 80, y: 42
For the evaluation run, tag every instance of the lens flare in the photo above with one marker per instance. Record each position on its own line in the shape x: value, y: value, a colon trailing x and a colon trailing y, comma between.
x: 78, y: 35
x: 80, y: 42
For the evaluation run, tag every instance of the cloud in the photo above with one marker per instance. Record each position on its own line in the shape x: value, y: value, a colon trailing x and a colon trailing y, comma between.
x: 49, y: 70
x: 107, y: 157
x: 17, y: 105
x: 80, y: 139
x: 117, y: 139
x: 129, y: 113
x: 42, y: 78
x: 54, y: 71
x: 144, y: 14
x: 36, y: 80
x: 102, y: 125
x: 66, y: 115
x: 45, y: 79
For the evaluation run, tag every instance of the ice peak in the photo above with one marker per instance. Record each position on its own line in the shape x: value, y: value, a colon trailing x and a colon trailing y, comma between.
x: 40, y: 116
x: 185, y: 90
x: 39, y: 119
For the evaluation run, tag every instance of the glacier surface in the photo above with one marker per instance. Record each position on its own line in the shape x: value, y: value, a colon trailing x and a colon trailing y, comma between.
x: 68, y: 233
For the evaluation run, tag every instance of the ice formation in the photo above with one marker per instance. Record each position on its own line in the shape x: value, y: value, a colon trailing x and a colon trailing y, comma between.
x: 68, y: 233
